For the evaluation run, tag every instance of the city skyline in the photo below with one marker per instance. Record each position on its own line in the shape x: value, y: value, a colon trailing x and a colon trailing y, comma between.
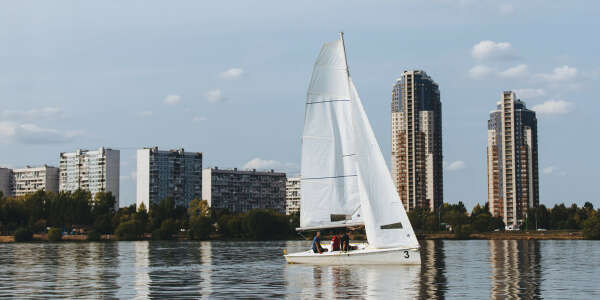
x: 90, y: 86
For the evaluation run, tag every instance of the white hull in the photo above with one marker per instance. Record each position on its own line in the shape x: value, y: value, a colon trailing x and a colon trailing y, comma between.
x: 362, y: 256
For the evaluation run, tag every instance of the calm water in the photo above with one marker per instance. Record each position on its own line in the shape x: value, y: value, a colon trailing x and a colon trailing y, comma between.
x: 450, y: 269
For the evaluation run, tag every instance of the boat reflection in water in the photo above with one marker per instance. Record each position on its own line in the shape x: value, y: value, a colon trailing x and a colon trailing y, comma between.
x: 333, y: 282
x: 515, y: 269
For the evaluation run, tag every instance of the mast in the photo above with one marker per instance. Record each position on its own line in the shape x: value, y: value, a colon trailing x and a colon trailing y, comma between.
x: 345, y: 56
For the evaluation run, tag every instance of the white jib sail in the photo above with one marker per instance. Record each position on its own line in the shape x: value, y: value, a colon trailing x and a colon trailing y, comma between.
x: 329, y: 188
x: 386, y: 221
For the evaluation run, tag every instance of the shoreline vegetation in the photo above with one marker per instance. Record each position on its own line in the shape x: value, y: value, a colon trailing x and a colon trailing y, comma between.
x: 442, y: 235
x: 76, y: 216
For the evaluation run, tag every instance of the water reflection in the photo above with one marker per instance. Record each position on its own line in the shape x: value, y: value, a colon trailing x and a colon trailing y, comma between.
x: 174, y: 270
x: 433, y: 270
x: 515, y: 269
x: 341, y: 282
x: 231, y: 270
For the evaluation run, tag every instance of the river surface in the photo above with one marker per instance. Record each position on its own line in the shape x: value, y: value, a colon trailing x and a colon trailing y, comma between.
x: 475, y: 269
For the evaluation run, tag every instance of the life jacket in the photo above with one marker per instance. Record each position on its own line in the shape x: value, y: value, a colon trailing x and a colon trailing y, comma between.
x: 335, y: 243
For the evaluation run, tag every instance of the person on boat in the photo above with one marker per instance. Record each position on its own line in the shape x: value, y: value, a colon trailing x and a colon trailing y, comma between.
x: 316, y: 244
x: 335, y: 242
x: 346, y: 242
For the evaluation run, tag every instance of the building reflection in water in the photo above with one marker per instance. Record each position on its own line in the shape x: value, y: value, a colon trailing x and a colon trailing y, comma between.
x: 142, y: 279
x: 107, y: 269
x: 206, y: 286
x: 433, y: 283
x: 515, y: 268
x: 174, y: 270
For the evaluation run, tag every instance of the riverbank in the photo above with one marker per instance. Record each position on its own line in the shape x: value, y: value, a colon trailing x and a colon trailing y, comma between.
x: 509, y: 235
x: 516, y: 235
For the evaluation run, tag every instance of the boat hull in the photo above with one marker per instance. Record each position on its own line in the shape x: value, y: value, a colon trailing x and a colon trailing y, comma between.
x: 366, y: 256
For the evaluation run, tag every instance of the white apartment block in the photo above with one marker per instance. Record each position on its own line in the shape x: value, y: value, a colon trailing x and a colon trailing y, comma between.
x: 94, y: 171
x: 31, y: 179
x: 172, y: 173
x: 292, y: 196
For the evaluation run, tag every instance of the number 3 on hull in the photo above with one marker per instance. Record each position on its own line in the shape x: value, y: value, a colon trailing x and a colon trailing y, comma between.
x: 344, y: 178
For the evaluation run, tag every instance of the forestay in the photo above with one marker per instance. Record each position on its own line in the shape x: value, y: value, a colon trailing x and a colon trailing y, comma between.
x: 329, y: 188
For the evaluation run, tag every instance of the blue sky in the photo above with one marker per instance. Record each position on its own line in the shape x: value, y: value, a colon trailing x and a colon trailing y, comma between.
x: 229, y: 78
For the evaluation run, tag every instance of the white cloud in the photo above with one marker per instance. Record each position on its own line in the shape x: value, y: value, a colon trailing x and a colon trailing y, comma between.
x: 215, y: 96
x: 232, y: 73
x: 7, y: 130
x: 32, y: 134
x: 172, y: 99
x: 559, y: 74
x: 514, y: 72
x: 554, y: 107
x: 456, y: 165
x: 553, y: 170
x: 145, y: 113
x: 492, y: 50
x: 479, y: 71
x: 199, y: 119
x: 33, y: 114
x: 262, y: 164
x: 506, y: 9
x: 530, y: 93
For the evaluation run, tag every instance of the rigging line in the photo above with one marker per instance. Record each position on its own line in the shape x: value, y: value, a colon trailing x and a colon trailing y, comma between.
x: 328, y: 177
x: 339, y: 100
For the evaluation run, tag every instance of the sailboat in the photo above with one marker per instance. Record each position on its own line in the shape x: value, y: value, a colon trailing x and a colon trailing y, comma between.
x: 345, y: 181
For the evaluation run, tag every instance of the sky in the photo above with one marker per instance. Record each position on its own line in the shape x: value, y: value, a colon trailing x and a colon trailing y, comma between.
x: 229, y: 79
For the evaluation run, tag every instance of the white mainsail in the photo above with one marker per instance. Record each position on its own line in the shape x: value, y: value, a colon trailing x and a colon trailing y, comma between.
x: 329, y: 188
x: 345, y: 180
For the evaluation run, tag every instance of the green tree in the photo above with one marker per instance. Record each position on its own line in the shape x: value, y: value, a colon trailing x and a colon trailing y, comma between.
x: 23, y: 234
x: 104, y: 204
x: 482, y: 222
x: 128, y: 231
x: 54, y: 234
x: 200, y: 227
x: 591, y: 228
x: 167, y: 230
x: 463, y: 231
x: 142, y: 216
x: 93, y: 235
x: 261, y: 224
x: 198, y: 207
x: 162, y: 211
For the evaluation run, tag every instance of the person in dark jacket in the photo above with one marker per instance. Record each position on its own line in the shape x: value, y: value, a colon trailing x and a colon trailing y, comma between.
x: 316, y: 244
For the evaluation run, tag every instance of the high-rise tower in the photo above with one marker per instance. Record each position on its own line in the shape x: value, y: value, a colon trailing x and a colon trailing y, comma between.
x: 417, y: 141
x: 512, y: 161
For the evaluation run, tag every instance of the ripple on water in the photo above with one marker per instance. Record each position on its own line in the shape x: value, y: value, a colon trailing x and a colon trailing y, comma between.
x: 450, y: 269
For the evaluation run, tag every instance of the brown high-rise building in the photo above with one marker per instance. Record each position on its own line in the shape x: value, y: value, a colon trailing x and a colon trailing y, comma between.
x: 512, y: 161
x: 417, y: 141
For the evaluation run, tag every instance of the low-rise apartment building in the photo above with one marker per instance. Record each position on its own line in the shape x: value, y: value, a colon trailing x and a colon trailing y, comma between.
x: 240, y: 191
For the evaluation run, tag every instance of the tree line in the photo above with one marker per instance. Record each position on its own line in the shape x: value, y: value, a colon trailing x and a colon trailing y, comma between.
x: 456, y: 218
x: 78, y: 211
